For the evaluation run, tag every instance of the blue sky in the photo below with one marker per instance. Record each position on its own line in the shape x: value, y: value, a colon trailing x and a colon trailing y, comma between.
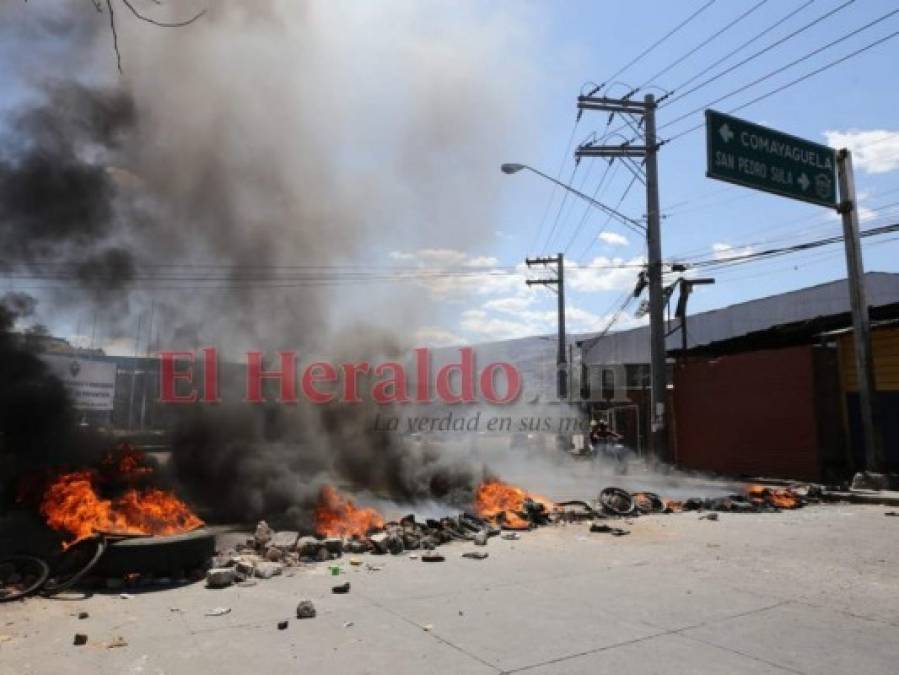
x: 584, y: 41
x: 517, y: 67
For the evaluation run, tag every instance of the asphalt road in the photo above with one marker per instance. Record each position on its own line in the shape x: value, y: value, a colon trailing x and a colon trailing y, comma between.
x: 809, y: 591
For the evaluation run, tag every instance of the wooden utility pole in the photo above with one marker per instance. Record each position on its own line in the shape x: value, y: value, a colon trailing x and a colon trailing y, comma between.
x: 559, y: 282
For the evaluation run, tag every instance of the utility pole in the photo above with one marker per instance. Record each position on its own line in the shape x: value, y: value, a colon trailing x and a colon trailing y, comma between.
x: 643, y: 115
x: 864, y: 359
x: 559, y: 282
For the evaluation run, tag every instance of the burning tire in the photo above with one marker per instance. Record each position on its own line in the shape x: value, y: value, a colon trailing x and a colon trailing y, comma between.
x: 33, y: 571
x: 159, y: 555
x: 617, y: 501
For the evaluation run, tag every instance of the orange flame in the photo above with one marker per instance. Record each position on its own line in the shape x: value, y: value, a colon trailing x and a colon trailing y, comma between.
x: 338, y: 516
x: 495, y: 500
x: 72, y: 505
x: 782, y: 499
x: 125, y: 462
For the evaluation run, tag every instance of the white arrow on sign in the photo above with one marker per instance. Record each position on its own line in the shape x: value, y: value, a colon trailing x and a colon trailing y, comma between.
x: 726, y: 133
x: 803, y: 181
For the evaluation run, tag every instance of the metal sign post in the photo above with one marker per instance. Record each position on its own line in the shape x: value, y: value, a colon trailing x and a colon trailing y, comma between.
x: 764, y: 159
x: 861, y: 328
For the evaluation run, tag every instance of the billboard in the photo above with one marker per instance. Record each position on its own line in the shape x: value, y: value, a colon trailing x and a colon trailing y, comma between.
x: 91, y: 384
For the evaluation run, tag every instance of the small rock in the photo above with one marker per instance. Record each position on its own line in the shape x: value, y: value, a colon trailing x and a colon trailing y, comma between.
x: 305, y: 610
x: 266, y: 570
x: 286, y: 540
x: 308, y: 546
x: 219, y: 611
x: 343, y: 588
x: 709, y: 516
x: 220, y: 577
x: 432, y: 557
x: 427, y: 627
x: 355, y: 561
x: 83, y: 615
x: 80, y: 639
x: 480, y: 539
x: 245, y: 568
x: 379, y: 541
x: 348, y: 624
x: 263, y: 534
x: 476, y: 555
x: 282, y: 625
x: 126, y: 596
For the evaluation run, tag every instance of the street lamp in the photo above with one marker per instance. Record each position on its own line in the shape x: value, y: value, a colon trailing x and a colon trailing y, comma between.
x: 511, y: 167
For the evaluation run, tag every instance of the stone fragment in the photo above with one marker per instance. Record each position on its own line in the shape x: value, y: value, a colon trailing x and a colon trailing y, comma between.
x: 305, y: 610
x: 220, y: 577
x: 266, y: 570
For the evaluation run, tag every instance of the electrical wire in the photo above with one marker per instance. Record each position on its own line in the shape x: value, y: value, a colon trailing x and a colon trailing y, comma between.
x: 792, y: 83
x: 592, y: 243
x: 705, y: 42
x: 785, y: 67
x: 655, y: 44
x: 762, y: 51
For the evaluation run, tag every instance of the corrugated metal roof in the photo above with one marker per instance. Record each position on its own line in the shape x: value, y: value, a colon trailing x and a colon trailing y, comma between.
x: 745, y: 318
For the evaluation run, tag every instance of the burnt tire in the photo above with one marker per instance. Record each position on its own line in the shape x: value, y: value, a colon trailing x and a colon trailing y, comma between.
x: 158, y: 555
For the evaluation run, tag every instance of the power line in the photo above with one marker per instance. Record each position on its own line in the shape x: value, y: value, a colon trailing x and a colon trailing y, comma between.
x: 781, y: 88
x: 764, y: 50
x: 597, y: 193
x: 702, y: 44
x: 608, y: 220
x: 656, y: 44
x: 745, y: 44
x: 750, y: 58
x: 565, y: 193
x: 552, y: 194
x: 771, y: 74
x: 772, y: 252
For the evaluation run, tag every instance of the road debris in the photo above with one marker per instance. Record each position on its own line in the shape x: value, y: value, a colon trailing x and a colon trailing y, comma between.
x: 475, y: 555
x: 220, y: 577
x: 432, y: 557
x: 80, y: 639
x: 709, y: 516
x: 219, y: 611
x: 117, y: 642
x: 342, y: 588
x: 305, y: 610
x: 282, y: 625
x: 83, y: 615
x: 614, y: 531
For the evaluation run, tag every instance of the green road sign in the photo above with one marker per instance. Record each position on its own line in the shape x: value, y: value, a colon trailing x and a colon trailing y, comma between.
x: 757, y: 157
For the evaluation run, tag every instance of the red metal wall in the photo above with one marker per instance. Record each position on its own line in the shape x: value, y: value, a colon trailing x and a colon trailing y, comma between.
x: 748, y: 414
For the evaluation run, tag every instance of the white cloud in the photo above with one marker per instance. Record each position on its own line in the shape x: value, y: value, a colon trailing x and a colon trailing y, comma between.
x: 725, y: 251
x: 873, y: 151
x: 512, y: 304
x: 613, y: 239
x: 435, y: 336
x: 479, y: 323
x: 604, y: 274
